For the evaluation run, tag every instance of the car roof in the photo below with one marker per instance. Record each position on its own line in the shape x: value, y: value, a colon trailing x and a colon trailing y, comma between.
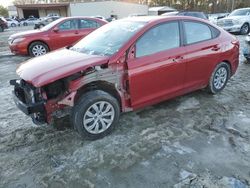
x: 160, y: 18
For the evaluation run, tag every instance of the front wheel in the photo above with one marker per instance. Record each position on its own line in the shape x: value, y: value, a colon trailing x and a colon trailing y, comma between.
x: 95, y: 115
x: 219, y: 78
x: 38, y: 49
x: 13, y: 25
x: 244, y: 29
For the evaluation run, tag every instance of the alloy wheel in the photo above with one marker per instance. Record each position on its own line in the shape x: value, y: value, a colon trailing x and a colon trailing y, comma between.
x: 220, y: 78
x: 38, y: 50
x: 98, y: 117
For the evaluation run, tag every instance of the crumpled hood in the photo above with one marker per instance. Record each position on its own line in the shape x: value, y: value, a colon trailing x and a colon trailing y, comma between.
x: 25, y: 33
x: 53, y: 66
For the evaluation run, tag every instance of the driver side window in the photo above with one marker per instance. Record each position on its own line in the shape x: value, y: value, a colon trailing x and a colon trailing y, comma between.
x: 160, y: 38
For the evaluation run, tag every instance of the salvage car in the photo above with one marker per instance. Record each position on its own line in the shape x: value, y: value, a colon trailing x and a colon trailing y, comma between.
x: 238, y: 21
x: 60, y: 33
x: 125, y: 65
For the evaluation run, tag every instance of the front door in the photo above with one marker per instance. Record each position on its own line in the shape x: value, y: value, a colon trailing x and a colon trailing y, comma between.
x: 157, y: 71
x: 67, y: 34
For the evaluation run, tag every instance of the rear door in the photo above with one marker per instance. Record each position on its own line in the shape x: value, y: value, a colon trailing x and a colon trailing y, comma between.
x: 158, y: 68
x: 86, y: 26
x: 202, y: 53
x: 66, y: 35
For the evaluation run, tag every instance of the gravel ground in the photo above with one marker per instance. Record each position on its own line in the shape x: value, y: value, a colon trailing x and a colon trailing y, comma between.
x: 197, y: 140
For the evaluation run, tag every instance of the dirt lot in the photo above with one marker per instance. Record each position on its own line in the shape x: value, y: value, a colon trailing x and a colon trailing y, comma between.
x: 197, y: 140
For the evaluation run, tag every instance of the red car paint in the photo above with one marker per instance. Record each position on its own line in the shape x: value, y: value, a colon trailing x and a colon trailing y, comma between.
x: 138, y: 81
x: 53, y: 39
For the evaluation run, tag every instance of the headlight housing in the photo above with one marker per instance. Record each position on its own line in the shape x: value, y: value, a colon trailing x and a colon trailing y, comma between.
x: 17, y: 40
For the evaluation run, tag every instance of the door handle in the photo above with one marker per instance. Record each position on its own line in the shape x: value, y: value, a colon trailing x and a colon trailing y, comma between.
x: 177, y: 59
x: 215, y: 48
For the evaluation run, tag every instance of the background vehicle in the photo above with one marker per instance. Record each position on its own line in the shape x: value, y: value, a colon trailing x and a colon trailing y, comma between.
x: 115, y: 69
x: 237, y: 21
x: 186, y: 13
x: 12, y: 22
x: 213, y: 18
x: 29, y: 21
x: 45, y: 21
x: 60, y: 33
x: 3, y: 24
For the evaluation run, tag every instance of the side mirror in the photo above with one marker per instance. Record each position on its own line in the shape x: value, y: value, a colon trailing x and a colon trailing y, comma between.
x: 56, y: 29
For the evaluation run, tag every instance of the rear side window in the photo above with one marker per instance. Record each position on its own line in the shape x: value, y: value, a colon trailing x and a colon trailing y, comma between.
x: 162, y: 37
x: 197, y: 32
x: 68, y: 25
x: 84, y: 23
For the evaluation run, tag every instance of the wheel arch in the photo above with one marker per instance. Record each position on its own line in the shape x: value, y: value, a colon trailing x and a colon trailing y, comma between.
x: 99, y: 85
x: 42, y: 41
x: 230, y: 66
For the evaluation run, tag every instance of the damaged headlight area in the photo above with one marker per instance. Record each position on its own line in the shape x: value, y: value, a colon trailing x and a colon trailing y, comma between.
x: 54, y: 89
x: 29, y: 100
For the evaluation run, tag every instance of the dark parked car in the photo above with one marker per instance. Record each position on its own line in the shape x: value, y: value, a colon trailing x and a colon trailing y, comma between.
x: 45, y: 21
x: 123, y: 66
x: 3, y: 24
x: 187, y: 13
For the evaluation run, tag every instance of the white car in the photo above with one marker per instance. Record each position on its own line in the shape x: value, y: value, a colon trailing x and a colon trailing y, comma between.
x: 238, y: 21
x: 12, y: 22
x: 30, y: 21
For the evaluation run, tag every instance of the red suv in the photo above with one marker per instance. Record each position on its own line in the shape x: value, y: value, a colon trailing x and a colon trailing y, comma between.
x: 125, y: 65
x: 60, y: 33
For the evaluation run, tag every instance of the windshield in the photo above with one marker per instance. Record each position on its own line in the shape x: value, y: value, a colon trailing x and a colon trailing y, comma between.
x: 109, y: 38
x: 50, y: 25
x: 240, y: 12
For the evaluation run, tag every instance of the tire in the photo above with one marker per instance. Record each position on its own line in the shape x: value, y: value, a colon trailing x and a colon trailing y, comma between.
x: 25, y: 24
x: 219, y: 78
x: 38, y: 49
x: 41, y: 26
x: 13, y: 25
x: 1, y: 29
x: 89, y: 122
x: 244, y: 29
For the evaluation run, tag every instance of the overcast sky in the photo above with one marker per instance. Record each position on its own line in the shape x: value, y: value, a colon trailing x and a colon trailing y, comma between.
x: 5, y: 3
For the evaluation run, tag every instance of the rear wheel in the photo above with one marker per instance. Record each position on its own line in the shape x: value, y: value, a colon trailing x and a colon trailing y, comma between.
x: 38, y: 49
x: 95, y: 115
x: 244, y: 29
x: 13, y: 25
x: 219, y: 78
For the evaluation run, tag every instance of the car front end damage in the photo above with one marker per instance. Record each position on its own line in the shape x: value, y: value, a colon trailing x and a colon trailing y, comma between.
x: 55, y: 100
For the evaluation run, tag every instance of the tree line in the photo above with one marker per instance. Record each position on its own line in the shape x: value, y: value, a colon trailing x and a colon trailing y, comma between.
x: 208, y: 6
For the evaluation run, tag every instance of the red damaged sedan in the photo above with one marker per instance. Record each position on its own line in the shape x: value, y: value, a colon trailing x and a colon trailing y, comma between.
x: 125, y: 65
x: 60, y: 33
